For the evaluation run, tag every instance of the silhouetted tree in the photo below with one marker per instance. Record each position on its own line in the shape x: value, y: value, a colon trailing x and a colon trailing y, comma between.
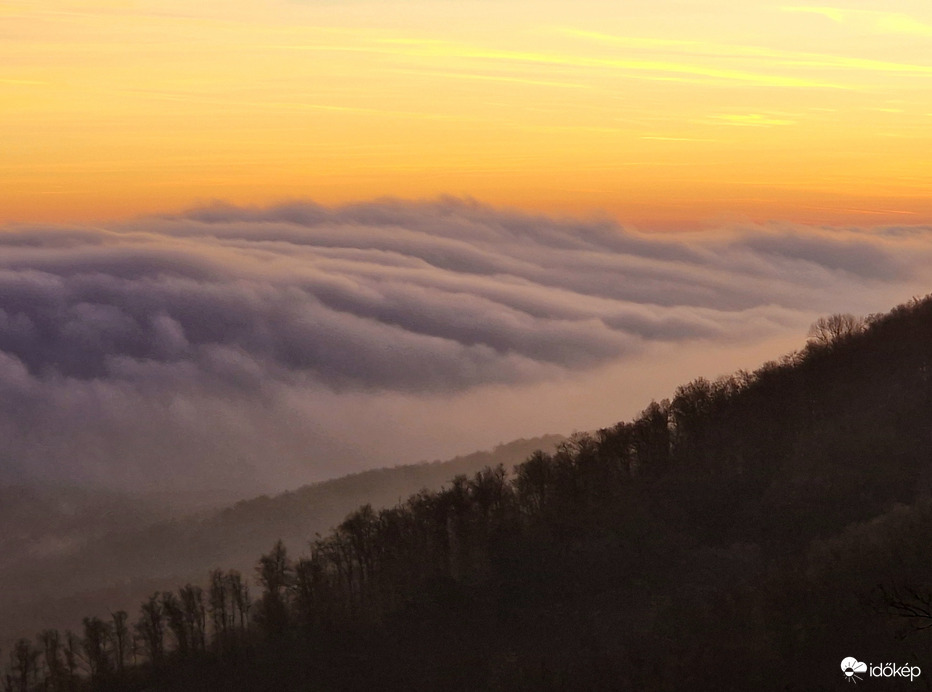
x: 275, y: 574
x: 220, y: 607
x: 242, y: 603
x: 174, y: 617
x: 121, y: 639
x: 830, y: 330
x: 311, y: 591
x: 56, y: 674
x: 24, y: 665
x: 96, y: 644
x: 691, y: 412
x: 150, y: 628
x: 534, y: 482
x: 228, y: 604
x: 195, y: 616
x: 72, y: 648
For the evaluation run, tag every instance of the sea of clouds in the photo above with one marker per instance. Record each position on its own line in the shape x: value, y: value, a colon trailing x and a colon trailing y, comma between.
x: 242, y: 349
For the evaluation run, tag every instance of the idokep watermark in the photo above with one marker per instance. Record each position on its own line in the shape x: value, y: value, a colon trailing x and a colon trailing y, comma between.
x: 855, y: 670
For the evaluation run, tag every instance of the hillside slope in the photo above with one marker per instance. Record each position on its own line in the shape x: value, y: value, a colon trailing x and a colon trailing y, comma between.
x: 116, y: 562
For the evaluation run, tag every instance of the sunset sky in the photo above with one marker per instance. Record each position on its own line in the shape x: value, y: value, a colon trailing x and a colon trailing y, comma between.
x: 664, y: 114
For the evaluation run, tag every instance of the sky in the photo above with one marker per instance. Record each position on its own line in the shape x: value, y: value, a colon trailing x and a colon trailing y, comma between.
x: 665, y: 114
x: 245, y: 246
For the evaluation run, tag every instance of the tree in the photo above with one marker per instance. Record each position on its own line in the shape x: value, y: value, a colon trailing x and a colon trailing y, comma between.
x: 220, y: 607
x: 56, y: 674
x: 311, y: 590
x: 120, y: 639
x: 195, y: 615
x: 828, y: 331
x: 174, y: 616
x: 534, y: 483
x: 275, y: 574
x: 151, y: 629
x: 23, y: 665
x: 228, y: 603
x: 691, y: 414
x: 72, y: 646
x: 239, y: 593
x: 651, y: 439
x: 491, y: 493
x: 97, y: 636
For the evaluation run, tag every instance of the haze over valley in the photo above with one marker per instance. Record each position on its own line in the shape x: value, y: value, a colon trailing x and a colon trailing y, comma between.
x: 232, y: 351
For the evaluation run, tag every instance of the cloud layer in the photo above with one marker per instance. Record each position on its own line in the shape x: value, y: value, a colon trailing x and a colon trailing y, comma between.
x: 211, y: 348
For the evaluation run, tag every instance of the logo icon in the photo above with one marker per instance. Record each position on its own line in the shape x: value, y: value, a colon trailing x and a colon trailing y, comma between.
x: 851, y: 667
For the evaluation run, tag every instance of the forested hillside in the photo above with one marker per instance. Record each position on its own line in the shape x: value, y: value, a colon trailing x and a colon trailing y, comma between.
x: 65, y: 552
x: 749, y: 533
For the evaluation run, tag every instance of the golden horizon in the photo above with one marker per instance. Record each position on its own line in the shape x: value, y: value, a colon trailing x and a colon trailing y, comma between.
x: 659, y: 116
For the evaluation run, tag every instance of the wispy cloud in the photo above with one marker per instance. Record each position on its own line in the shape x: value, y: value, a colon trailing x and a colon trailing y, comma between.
x: 435, y: 49
x: 664, y: 138
x: 751, y: 120
x: 22, y: 82
x: 879, y: 21
x: 447, y: 74
x: 759, y: 55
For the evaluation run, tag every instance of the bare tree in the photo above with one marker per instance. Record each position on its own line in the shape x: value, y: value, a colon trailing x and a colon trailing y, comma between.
x: 97, y: 637
x: 195, y: 615
x: 23, y: 664
x: 239, y: 595
x: 151, y: 628
x: 174, y: 617
x: 72, y: 649
x: 120, y: 639
x: 228, y: 602
x: 56, y: 672
x: 220, y: 606
x: 827, y: 331
x: 275, y: 573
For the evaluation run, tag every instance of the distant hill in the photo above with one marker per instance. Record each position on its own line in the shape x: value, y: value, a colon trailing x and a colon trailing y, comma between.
x: 65, y: 552
x: 42, y: 521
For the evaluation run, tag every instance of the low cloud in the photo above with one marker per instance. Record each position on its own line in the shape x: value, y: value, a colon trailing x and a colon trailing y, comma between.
x: 219, y: 348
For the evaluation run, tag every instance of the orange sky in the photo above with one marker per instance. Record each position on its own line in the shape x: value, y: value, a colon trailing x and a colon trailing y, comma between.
x: 663, y: 114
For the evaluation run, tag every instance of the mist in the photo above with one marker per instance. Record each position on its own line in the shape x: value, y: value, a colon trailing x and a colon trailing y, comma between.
x: 245, y: 350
